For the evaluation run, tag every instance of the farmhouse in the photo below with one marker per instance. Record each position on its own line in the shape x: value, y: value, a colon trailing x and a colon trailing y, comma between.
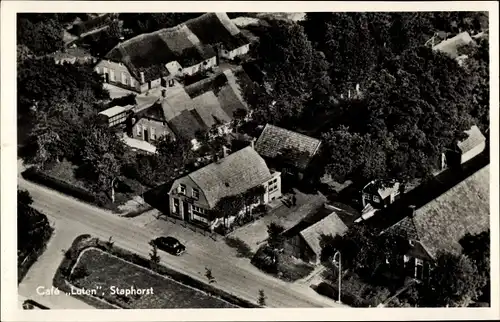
x: 440, y: 224
x: 289, y: 151
x: 152, y: 60
x: 194, y: 196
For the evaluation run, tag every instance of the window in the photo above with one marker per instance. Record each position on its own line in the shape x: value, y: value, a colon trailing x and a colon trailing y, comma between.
x: 196, y: 194
x: 112, y: 75
x: 182, y: 189
x: 132, y: 82
x: 273, y: 185
x: 171, y: 82
x: 419, y: 262
x: 153, y: 133
x: 139, y: 130
x: 176, y: 209
x: 124, y: 78
x: 104, y: 70
x: 198, y: 210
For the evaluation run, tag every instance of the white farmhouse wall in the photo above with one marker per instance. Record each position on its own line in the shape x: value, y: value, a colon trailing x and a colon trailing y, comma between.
x: 474, y: 152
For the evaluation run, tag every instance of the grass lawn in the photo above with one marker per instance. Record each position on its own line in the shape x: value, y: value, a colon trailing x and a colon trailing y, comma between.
x: 105, y: 270
x: 125, y: 190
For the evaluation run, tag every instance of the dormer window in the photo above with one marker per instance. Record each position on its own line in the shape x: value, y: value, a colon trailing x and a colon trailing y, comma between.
x: 182, y: 189
x: 196, y: 194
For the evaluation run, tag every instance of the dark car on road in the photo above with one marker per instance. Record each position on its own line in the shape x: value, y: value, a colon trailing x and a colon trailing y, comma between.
x: 169, y: 244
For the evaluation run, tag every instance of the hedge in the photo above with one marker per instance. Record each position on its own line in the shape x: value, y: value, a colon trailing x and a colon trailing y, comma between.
x: 69, y: 260
x: 77, y: 247
x: 347, y: 298
x: 32, y: 174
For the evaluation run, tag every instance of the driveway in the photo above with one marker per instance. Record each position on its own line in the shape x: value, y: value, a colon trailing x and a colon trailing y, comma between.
x: 255, y: 233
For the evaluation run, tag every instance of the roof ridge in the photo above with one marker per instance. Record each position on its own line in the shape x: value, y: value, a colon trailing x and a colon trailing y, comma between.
x: 290, y: 131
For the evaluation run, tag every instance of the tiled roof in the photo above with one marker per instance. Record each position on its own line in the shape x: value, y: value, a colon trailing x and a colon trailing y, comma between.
x: 451, y: 46
x: 330, y: 225
x: 231, y: 175
x: 274, y: 140
x: 441, y: 223
x: 475, y: 137
x: 209, y: 109
x: 186, y: 125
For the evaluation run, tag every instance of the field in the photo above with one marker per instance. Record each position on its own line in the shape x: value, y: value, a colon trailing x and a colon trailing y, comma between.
x: 103, y: 270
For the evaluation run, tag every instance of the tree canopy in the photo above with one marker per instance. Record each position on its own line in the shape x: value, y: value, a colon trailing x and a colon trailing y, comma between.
x: 41, y: 33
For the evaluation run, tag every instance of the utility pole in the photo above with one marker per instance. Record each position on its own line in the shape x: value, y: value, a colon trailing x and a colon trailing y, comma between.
x: 338, y: 264
x: 113, y: 190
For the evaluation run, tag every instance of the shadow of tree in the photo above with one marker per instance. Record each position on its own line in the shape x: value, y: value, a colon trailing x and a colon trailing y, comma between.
x: 242, y: 248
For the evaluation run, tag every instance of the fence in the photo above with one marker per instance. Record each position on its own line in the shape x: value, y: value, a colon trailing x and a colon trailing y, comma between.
x: 191, y: 226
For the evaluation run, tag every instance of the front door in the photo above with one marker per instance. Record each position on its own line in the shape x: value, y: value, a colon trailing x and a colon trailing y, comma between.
x: 106, y: 76
x: 186, y: 211
x: 149, y: 85
x: 146, y: 135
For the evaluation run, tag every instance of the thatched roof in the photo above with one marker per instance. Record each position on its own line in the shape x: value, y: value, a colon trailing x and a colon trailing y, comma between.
x: 189, y: 43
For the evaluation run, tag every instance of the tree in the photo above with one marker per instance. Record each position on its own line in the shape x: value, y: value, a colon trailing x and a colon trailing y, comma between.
x: 155, y: 258
x: 100, y: 167
x: 41, y: 35
x: 33, y: 227
x: 288, y: 59
x: 453, y: 282
x: 228, y: 206
x: 415, y: 108
x: 275, y: 238
x: 262, y: 298
x: 477, y: 249
x: 252, y: 196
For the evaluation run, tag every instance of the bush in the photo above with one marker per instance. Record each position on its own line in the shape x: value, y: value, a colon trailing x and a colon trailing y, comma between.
x: 346, y: 297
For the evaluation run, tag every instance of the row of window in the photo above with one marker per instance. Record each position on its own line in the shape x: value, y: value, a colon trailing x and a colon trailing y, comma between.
x: 273, y: 185
x: 370, y: 197
x: 124, y: 76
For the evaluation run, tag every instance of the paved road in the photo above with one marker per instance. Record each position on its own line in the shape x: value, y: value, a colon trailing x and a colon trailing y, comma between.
x: 237, y: 277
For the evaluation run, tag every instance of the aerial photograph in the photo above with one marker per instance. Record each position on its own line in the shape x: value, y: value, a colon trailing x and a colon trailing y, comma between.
x: 189, y: 160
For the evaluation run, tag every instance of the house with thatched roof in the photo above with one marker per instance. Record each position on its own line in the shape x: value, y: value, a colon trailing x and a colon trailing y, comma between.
x: 194, y: 196
x: 452, y: 46
x: 439, y: 225
x: 152, y: 60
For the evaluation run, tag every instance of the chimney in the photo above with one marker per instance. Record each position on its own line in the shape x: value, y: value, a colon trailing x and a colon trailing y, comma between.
x: 225, y: 151
x: 252, y: 143
x: 142, y: 78
x: 164, y: 93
